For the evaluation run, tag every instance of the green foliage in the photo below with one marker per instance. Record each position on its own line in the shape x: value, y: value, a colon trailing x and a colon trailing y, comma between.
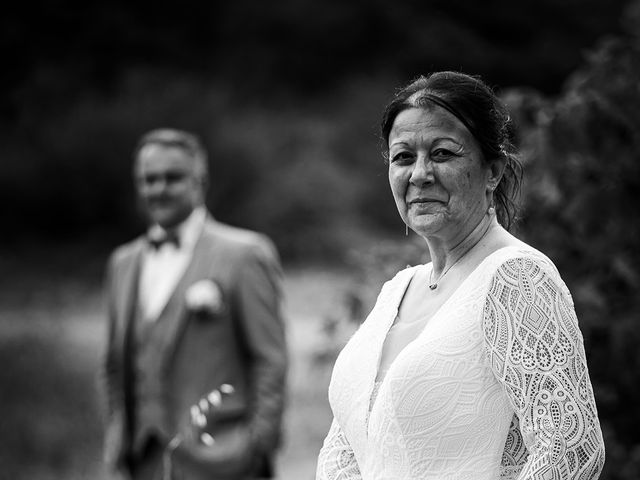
x: 302, y: 45
x: 287, y: 95
x: 584, y: 172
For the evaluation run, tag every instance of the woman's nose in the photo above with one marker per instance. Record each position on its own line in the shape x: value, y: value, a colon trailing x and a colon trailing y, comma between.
x: 422, y: 171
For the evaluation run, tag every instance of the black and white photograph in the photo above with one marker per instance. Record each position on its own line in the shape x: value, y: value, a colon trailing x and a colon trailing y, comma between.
x: 320, y: 240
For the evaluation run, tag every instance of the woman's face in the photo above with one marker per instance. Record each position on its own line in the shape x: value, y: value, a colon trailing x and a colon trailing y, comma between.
x: 436, y: 173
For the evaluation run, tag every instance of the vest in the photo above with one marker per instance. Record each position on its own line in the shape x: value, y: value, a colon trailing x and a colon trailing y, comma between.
x: 149, y: 411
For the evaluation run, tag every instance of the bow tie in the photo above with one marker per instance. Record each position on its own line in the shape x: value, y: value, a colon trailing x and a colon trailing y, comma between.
x: 169, y: 237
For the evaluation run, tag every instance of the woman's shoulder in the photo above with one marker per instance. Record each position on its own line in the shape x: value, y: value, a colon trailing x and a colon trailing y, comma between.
x: 517, y: 253
x: 501, y: 246
x: 523, y: 263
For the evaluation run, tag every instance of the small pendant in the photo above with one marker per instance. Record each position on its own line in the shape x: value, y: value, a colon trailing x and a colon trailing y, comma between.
x: 433, y: 286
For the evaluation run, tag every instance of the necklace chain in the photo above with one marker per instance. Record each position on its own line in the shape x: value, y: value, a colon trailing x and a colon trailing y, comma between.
x: 434, y: 285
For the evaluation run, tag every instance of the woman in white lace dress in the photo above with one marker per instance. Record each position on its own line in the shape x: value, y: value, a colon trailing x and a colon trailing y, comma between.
x: 471, y: 366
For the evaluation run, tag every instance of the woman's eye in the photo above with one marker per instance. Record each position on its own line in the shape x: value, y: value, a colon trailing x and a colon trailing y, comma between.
x: 441, y: 154
x: 401, y: 157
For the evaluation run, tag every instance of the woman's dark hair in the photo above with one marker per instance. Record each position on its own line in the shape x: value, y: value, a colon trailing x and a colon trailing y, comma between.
x: 475, y: 104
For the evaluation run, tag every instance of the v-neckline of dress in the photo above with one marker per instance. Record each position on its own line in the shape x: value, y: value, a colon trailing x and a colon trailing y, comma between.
x: 432, y: 319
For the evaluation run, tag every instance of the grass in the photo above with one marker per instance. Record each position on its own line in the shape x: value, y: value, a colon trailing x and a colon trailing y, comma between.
x: 52, y: 334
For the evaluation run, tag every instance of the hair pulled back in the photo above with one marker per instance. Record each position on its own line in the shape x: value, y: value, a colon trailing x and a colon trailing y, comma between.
x: 475, y: 104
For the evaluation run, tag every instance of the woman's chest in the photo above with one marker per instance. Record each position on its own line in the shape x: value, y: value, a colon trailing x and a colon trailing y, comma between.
x: 449, y: 351
x: 446, y: 360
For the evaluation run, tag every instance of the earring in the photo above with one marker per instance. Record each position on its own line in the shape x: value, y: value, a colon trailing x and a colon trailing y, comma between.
x: 491, y: 210
x: 406, y: 230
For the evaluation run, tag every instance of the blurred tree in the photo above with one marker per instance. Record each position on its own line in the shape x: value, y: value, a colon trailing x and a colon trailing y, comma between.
x: 83, y: 80
x: 59, y: 50
x: 581, y: 154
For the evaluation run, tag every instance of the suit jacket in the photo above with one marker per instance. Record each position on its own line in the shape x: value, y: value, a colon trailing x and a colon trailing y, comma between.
x: 243, y: 344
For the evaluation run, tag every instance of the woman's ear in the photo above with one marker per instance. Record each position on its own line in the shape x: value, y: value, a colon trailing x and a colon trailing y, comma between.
x: 496, y: 170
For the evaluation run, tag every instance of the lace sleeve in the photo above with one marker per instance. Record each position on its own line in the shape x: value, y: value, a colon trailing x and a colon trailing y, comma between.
x: 336, y: 460
x: 536, y: 351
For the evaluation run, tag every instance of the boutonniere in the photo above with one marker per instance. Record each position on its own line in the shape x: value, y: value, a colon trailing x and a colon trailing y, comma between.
x: 205, y: 296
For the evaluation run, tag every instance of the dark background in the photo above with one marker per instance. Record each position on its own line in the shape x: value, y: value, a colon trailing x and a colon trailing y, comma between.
x: 287, y: 97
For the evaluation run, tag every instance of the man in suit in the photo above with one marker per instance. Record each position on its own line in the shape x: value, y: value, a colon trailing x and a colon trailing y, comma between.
x: 196, y: 357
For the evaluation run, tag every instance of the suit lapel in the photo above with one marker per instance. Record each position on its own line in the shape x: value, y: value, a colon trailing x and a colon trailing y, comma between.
x: 174, y: 316
x: 127, y: 305
x: 128, y: 284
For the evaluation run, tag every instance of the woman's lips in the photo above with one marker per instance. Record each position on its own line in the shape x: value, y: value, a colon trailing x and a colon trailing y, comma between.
x: 422, y: 200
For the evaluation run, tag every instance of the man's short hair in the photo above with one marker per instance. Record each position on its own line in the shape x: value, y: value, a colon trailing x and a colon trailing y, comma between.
x: 185, y: 141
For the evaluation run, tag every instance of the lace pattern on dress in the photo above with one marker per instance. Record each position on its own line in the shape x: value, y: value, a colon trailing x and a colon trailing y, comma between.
x: 536, y: 351
x: 515, y: 452
x: 505, y: 357
x: 337, y: 460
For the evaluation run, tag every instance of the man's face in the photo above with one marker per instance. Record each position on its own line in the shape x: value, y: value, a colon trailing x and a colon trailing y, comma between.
x: 167, y: 184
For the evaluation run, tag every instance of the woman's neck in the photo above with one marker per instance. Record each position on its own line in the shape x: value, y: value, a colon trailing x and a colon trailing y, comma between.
x: 444, y: 255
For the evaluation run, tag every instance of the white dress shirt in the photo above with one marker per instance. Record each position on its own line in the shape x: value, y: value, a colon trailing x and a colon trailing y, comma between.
x: 163, y: 267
